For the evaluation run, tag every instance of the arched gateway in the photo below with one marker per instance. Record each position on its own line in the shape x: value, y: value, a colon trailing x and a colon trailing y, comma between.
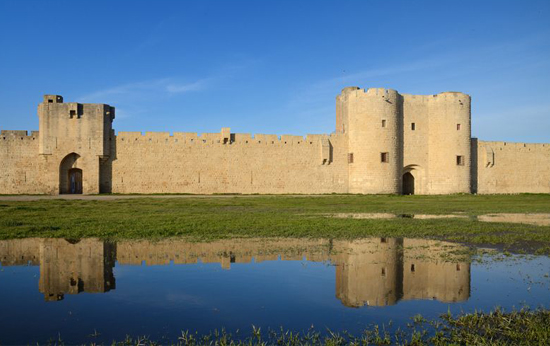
x: 408, y: 184
x: 75, y: 181
x: 70, y: 175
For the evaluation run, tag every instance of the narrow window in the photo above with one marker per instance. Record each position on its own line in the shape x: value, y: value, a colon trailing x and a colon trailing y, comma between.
x: 412, y: 268
x: 385, y: 157
x: 458, y: 127
x: 383, y: 271
x: 458, y: 267
x: 460, y: 160
x: 350, y: 158
x: 383, y: 122
x: 413, y: 126
x: 72, y: 113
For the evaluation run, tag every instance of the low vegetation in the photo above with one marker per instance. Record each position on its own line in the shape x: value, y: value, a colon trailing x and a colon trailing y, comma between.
x: 208, y: 218
x: 496, y: 328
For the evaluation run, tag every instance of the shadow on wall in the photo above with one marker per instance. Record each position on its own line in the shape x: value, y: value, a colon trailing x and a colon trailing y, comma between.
x: 473, y: 166
x: 106, y: 167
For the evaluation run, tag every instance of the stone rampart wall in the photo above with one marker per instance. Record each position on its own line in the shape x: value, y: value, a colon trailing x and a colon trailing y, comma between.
x: 19, y: 162
x: 505, y: 167
x: 188, y: 163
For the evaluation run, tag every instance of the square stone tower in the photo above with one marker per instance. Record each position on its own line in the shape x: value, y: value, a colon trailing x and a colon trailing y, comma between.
x: 74, y: 141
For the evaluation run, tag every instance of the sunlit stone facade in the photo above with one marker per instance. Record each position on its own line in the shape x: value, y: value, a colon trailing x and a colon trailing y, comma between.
x: 385, y: 142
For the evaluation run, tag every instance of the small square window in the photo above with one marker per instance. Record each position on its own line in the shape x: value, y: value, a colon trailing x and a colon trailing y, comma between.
x: 460, y: 160
x: 385, y: 157
x: 383, y: 122
x: 413, y: 126
x: 350, y: 158
x: 72, y: 113
x: 458, y: 127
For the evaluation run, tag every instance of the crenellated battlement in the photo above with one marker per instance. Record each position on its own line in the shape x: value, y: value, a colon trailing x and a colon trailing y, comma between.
x: 385, y: 92
x: 517, y: 146
x: 217, y: 138
x: 7, y: 135
x: 384, y: 143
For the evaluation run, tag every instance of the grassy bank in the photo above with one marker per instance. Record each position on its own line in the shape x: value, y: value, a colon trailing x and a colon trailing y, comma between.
x: 495, y: 328
x: 278, y: 216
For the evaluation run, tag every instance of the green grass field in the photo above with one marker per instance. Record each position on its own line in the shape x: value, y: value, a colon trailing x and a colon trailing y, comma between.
x: 205, y: 218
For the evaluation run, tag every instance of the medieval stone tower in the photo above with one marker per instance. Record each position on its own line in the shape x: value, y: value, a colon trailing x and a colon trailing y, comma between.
x: 385, y: 143
x: 405, y: 143
x: 74, y: 139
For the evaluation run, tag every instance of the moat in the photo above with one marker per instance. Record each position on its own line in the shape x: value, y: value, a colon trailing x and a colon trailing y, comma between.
x: 91, y: 290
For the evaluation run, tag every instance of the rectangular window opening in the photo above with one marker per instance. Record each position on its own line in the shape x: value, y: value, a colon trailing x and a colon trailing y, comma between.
x: 350, y: 158
x: 460, y: 160
x: 383, y: 122
x: 385, y: 157
x: 72, y: 113
x: 413, y: 126
x: 412, y: 268
x: 458, y: 127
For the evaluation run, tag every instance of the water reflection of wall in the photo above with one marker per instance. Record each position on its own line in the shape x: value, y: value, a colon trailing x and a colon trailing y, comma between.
x: 18, y: 252
x: 66, y: 267
x: 376, y: 272
x: 71, y: 267
x: 369, y: 272
x: 434, y: 279
x: 382, y: 271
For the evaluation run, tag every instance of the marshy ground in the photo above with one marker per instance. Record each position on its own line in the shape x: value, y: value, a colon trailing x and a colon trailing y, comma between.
x: 513, y: 223
x: 461, y: 218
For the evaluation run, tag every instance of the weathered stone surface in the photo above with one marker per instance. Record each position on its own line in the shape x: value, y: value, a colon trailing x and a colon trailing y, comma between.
x: 382, y: 138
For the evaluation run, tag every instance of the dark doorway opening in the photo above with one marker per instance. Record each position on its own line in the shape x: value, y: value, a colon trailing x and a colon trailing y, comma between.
x: 408, y: 184
x: 75, y: 181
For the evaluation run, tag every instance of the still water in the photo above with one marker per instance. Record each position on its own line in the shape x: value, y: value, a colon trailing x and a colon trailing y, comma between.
x: 95, y: 291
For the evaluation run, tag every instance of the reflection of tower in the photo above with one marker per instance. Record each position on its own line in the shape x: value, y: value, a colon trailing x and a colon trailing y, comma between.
x: 71, y: 267
x: 433, y: 278
x: 369, y: 272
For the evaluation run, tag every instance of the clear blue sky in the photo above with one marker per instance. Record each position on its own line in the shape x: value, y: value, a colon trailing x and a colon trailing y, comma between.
x: 274, y: 66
